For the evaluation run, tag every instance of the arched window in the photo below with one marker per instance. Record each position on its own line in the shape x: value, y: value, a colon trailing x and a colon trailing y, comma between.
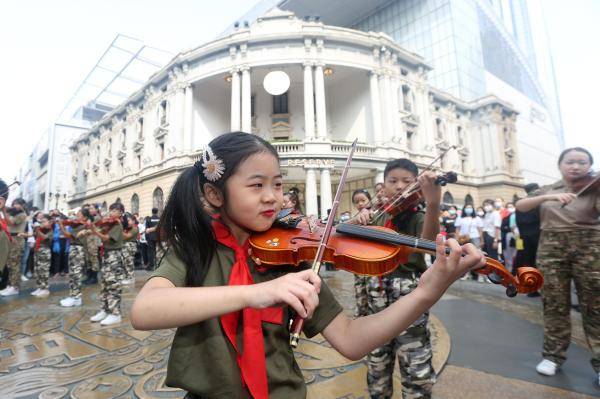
x: 104, y: 207
x: 135, y: 204
x: 469, y: 200
x: 157, y: 199
x: 516, y: 198
x: 118, y: 200
x: 448, y: 198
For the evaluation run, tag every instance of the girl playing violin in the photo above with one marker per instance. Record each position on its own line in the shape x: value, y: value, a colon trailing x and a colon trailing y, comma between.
x: 43, y: 245
x: 413, y: 345
x: 130, y: 235
x: 291, y: 201
x: 232, y: 315
x: 569, y: 249
x: 112, y: 266
x: 77, y: 235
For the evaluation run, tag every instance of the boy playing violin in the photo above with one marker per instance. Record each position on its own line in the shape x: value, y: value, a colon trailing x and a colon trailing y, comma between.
x: 413, y: 346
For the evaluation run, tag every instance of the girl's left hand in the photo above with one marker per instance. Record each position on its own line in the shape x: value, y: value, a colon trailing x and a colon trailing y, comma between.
x: 448, y: 268
x: 431, y: 192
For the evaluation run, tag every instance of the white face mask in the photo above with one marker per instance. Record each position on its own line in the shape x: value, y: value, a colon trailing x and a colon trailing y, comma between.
x: 468, y: 211
x: 498, y: 204
x: 488, y: 208
x: 480, y: 214
x: 511, y: 209
x: 452, y: 212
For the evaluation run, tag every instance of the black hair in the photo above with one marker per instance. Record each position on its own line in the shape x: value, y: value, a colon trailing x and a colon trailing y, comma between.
x: 294, y: 197
x: 3, y: 189
x: 85, y: 211
x: 117, y: 205
x: 530, y: 187
x: 361, y: 191
x: 154, y: 211
x: 185, y: 226
x: 401, y: 163
x: 578, y: 149
x: 472, y: 207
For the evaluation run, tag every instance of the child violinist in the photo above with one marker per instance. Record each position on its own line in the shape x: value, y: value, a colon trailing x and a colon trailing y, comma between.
x: 232, y: 315
x: 76, y: 258
x: 112, y: 266
x: 43, y: 244
x: 361, y: 199
x: 413, y: 346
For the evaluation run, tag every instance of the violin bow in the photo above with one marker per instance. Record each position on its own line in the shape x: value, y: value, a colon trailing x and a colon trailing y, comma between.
x: 316, y: 265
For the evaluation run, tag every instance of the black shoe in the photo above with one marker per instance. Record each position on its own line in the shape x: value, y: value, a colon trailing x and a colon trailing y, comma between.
x: 534, y: 294
x: 92, y: 279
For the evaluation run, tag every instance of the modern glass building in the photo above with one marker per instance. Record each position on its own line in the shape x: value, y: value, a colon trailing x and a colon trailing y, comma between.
x: 476, y: 47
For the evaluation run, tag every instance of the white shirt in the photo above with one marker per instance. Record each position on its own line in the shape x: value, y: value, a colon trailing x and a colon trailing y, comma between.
x: 491, y: 220
x: 469, y: 225
x: 142, y: 229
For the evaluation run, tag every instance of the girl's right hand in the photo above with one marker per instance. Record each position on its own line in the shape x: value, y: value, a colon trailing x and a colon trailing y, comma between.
x: 298, y: 290
x: 362, y: 218
x: 563, y: 198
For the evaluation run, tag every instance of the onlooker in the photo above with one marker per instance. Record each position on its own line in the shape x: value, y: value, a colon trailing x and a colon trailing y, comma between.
x: 528, y: 224
x: 449, y: 220
x: 151, y: 236
x: 491, y: 229
x: 509, y: 232
x: 468, y: 229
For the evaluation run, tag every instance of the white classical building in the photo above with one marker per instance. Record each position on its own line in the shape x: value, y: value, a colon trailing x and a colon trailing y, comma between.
x: 345, y: 84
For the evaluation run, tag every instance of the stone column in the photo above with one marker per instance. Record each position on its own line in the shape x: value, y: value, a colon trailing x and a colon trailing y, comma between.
x: 385, y: 128
x: 320, y: 102
x: 235, y: 101
x: 188, y: 126
x: 389, y: 109
x: 375, y: 107
x: 310, y: 194
x: 309, y: 106
x: 397, y: 124
x: 246, y: 101
x: 379, y: 177
x: 326, y: 200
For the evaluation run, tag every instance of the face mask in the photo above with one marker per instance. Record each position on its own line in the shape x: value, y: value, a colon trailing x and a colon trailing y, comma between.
x: 480, y: 214
x: 498, y: 204
x: 452, y: 212
x: 488, y: 208
x: 511, y: 210
x: 468, y: 211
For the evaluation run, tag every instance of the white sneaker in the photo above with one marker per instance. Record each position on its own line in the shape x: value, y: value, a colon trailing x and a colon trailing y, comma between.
x: 70, y: 302
x: 43, y: 293
x: 127, y: 281
x: 24, y: 278
x: 101, y: 315
x: 111, y: 319
x: 10, y: 291
x: 547, y: 367
x: 37, y: 291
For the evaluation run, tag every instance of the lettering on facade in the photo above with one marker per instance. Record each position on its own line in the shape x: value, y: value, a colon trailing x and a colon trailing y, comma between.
x: 316, y: 163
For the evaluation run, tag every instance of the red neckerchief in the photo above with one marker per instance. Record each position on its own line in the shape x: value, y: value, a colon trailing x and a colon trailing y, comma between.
x: 251, y: 356
x: 4, y: 228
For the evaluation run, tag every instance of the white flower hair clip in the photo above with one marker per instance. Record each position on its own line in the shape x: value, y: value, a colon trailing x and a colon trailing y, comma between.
x: 213, y: 167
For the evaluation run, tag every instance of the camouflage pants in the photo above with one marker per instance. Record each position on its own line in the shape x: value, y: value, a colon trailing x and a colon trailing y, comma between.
x: 129, y: 250
x: 91, y: 253
x: 76, y: 263
x: 15, y: 254
x: 360, y: 293
x: 562, y: 257
x: 413, y: 346
x: 112, y: 275
x: 42, y: 266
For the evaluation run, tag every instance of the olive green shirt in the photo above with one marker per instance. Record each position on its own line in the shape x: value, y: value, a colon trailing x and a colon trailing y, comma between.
x: 115, y: 238
x: 18, y: 222
x: 580, y: 214
x: 48, y: 239
x: 203, y: 362
x: 4, y: 249
x: 134, y: 231
x: 77, y: 240
x: 416, y: 261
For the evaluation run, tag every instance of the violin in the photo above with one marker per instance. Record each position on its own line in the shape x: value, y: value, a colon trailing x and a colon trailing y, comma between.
x: 370, y: 251
x: 106, y: 223
x: 74, y: 223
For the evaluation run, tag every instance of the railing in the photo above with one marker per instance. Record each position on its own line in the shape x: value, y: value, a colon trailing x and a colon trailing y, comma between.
x: 287, y: 147
x: 344, y: 148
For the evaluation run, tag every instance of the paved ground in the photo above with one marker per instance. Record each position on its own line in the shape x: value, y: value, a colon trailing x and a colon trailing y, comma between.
x: 486, y: 346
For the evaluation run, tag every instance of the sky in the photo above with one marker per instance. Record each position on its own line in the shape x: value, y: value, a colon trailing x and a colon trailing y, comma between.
x: 48, y: 47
